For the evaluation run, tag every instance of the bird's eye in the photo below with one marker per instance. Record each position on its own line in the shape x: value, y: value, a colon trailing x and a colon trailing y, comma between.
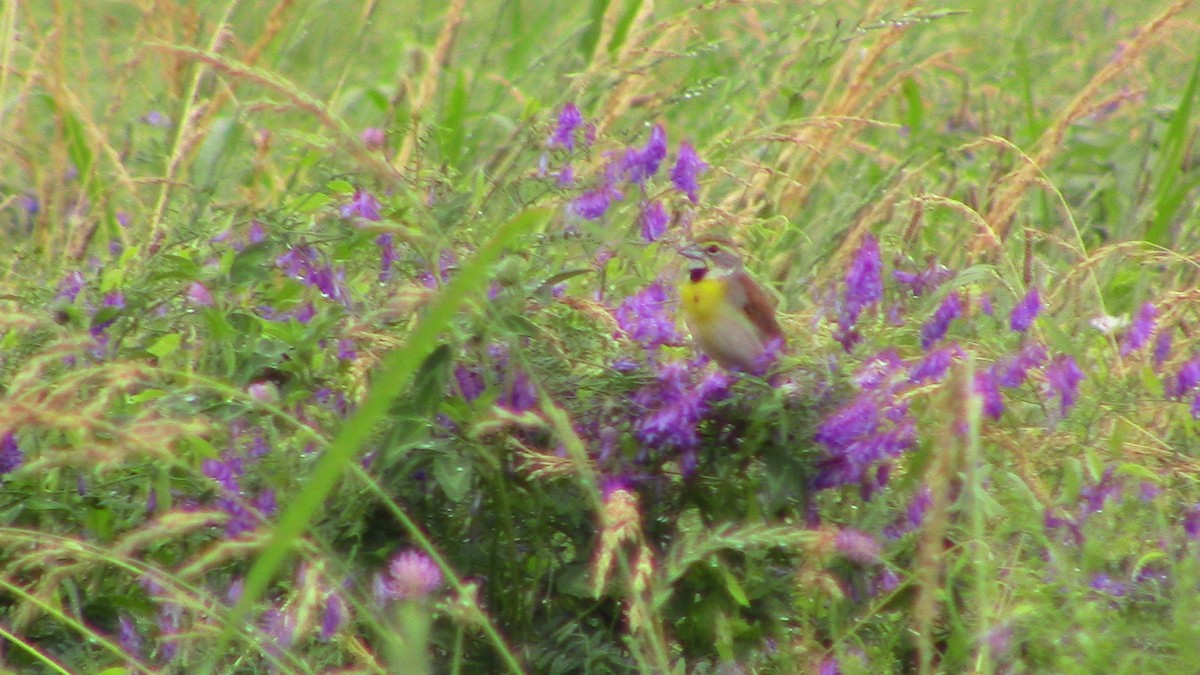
x: 714, y: 249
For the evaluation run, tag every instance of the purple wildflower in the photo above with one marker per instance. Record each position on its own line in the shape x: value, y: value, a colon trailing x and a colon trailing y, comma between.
x: 410, y: 575
x: 858, y: 418
x: 864, y: 279
x: 1186, y: 379
x: 688, y: 167
x: 11, y: 456
x: 520, y: 395
x: 373, y: 138
x: 362, y: 205
x: 333, y: 618
x: 592, y: 205
x: 566, y: 176
x: 1191, y: 522
x: 935, y: 364
x: 648, y: 318
x: 1011, y: 371
x: 224, y: 472
x: 1026, y: 311
x: 280, y: 625
x: 128, y: 638
x: 988, y: 389
x: 857, y: 546
x: 199, y: 295
x: 1107, y: 585
x: 70, y: 286
x: 638, y: 165
x: 675, y: 406
x: 1162, y: 348
x: 256, y: 234
x: 654, y: 221
x: 913, y: 516
x: 569, y: 120
x: 387, y: 255
x: 155, y: 118
x: 884, y: 582
x: 925, y: 280
x: 1062, y: 380
x: 470, y: 382
x: 1140, y: 331
x: 935, y: 329
x: 345, y: 350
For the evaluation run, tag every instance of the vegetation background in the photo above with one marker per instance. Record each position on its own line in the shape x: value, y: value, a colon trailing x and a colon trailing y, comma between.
x: 334, y: 341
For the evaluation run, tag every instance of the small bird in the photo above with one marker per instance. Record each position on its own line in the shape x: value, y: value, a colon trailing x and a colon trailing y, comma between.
x: 730, y: 316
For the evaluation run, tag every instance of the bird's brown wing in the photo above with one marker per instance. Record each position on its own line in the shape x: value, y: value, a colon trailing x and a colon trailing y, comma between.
x: 758, y: 307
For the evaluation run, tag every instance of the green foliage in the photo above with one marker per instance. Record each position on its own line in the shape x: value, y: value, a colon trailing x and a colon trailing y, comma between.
x: 320, y: 350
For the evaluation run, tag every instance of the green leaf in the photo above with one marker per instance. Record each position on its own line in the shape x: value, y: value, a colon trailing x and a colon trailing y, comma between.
x: 1166, y: 198
x: 621, y: 29
x: 340, y: 187
x: 398, y: 367
x: 454, y: 475
x: 591, y: 35
x: 733, y: 586
x: 166, y: 344
x: 310, y: 203
x: 453, y: 127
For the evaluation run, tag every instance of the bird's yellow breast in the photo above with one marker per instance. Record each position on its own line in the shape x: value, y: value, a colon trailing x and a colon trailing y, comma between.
x: 703, y: 300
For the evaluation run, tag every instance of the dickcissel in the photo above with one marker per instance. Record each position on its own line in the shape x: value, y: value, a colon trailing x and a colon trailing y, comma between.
x: 731, y: 318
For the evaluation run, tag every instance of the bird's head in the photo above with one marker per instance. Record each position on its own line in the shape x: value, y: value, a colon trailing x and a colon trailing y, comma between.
x: 711, y: 256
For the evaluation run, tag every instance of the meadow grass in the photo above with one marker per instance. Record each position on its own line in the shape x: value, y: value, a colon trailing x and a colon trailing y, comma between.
x: 341, y: 337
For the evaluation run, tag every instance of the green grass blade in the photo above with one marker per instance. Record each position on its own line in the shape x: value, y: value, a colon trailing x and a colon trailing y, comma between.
x: 1166, y: 194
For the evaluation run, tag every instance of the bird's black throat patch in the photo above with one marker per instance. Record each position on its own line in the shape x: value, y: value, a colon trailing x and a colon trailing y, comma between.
x: 697, y: 273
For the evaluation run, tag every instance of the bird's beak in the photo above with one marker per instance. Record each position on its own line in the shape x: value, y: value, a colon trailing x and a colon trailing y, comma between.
x: 692, y: 252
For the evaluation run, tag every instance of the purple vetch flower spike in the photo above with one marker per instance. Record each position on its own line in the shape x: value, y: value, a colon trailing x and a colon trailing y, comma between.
x: 989, y: 391
x: 688, y: 167
x: 569, y: 119
x: 566, y: 176
x: 864, y: 279
x: 1187, y: 379
x: 1062, y: 380
x: 648, y: 317
x: 1191, y: 522
x: 926, y: 280
x: 935, y: 329
x: 858, y: 418
x: 128, y: 638
x: 638, y: 165
x: 1141, y: 330
x: 1026, y: 311
x: 1012, y: 371
x: 362, y: 205
x: 333, y: 618
x: 654, y: 221
x: 935, y: 365
x: 592, y: 205
x: 1107, y: 585
x: 387, y: 255
x: 346, y: 350
x: 70, y: 286
x: 470, y: 382
x: 11, y: 456
x: 1162, y: 347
